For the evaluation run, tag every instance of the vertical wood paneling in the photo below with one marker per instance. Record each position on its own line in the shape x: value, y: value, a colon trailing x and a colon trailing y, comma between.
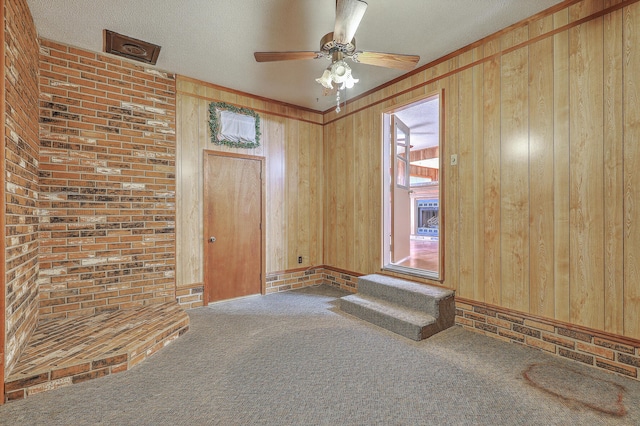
x: 492, y: 174
x: 294, y: 181
x: 416, y: 80
x: 275, y: 130
x: 466, y: 173
x: 514, y: 157
x: 292, y: 226
x: 361, y: 123
x: 541, y: 170
x: 478, y: 180
x: 451, y: 174
x: 316, y: 194
x: 332, y: 165
x: 631, y: 107
x: 561, y: 167
x: 613, y: 178
x: 190, y: 269
x: 341, y: 190
x: 303, y: 168
x: 584, y: 8
x: 350, y: 215
x: 374, y: 150
x: 586, y: 174
x: 541, y: 212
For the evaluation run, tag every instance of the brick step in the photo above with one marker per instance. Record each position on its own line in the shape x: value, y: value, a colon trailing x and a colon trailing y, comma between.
x: 72, y: 350
x: 416, y: 311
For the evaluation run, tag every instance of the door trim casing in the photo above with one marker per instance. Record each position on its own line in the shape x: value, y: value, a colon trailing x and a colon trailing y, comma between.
x: 384, y: 226
x: 206, y: 231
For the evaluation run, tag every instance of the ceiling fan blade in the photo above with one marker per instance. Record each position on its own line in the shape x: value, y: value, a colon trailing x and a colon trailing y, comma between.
x: 284, y: 56
x: 349, y: 13
x: 388, y: 60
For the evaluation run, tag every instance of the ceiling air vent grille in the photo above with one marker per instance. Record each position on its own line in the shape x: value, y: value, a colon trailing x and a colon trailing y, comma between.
x: 131, y: 48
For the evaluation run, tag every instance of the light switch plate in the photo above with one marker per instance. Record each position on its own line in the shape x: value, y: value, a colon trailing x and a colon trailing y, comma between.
x: 454, y: 159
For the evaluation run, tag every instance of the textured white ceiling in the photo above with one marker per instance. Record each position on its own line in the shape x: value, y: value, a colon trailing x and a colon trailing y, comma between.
x: 214, y: 40
x: 424, y: 122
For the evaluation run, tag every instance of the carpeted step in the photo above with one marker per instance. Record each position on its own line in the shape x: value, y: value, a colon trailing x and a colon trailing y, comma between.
x: 407, y: 322
x: 416, y: 296
x: 413, y: 310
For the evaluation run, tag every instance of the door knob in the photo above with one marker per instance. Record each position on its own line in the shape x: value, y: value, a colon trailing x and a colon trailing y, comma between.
x: 212, y: 239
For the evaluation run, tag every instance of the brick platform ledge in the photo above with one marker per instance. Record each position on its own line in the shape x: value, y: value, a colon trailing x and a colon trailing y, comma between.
x: 72, y: 350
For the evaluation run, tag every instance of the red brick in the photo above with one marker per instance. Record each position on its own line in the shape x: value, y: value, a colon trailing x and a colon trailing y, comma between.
x: 576, y: 356
x: 119, y: 368
x: 26, y: 382
x: 90, y: 375
x: 53, y: 45
x: 617, y: 367
x: 21, y: 158
x: 595, y: 350
x: 15, y: 395
x: 70, y: 371
x: 577, y: 335
x: 512, y: 335
x: 570, y: 344
x: 619, y: 347
x: 106, y: 362
x: 540, y: 344
x: 629, y: 360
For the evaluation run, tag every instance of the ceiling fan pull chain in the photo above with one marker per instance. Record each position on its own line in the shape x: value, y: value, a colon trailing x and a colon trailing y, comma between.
x: 338, y: 100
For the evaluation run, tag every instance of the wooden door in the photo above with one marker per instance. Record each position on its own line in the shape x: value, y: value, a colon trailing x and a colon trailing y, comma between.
x: 400, y: 197
x: 233, y: 211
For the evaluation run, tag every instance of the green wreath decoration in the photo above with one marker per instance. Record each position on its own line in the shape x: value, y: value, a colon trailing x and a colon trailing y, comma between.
x: 214, y: 124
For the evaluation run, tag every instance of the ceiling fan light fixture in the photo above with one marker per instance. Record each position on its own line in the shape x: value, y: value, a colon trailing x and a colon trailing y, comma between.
x: 325, y: 80
x: 349, y: 82
x: 339, y: 72
x: 341, y: 44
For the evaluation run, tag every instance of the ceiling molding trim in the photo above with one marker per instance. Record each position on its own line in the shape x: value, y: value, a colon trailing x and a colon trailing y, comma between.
x: 479, y: 61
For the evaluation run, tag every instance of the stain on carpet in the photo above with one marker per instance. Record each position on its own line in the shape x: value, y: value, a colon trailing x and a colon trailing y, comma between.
x: 576, y: 387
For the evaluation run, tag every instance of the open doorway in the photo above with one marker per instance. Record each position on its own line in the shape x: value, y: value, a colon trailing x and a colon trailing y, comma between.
x: 412, y: 187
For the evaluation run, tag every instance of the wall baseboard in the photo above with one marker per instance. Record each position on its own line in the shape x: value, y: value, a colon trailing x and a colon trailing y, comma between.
x: 192, y: 295
x: 598, y: 349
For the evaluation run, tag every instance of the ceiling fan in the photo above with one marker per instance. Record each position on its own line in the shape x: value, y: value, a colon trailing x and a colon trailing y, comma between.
x: 341, y: 44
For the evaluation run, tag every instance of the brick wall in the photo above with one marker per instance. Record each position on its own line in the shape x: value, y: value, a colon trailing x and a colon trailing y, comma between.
x: 193, y: 296
x: 107, y: 181
x: 590, y: 347
x: 290, y: 280
x: 21, y: 178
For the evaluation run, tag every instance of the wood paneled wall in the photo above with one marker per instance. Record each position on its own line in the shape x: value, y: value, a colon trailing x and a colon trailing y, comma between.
x: 291, y: 142
x: 542, y: 212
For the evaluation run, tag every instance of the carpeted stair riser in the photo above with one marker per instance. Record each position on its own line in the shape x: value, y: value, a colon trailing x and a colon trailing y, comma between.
x: 415, y: 311
x: 413, y: 295
x: 401, y: 320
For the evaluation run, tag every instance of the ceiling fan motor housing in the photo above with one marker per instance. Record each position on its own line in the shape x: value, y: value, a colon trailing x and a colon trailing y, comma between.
x: 329, y: 45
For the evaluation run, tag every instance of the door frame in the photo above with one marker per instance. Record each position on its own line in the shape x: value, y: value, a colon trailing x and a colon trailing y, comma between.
x: 398, y: 191
x: 386, y: 180
x: 263, y: 204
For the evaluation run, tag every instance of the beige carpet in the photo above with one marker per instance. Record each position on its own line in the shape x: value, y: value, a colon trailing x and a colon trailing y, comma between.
x: 294, y: 359
x: 578, y: 387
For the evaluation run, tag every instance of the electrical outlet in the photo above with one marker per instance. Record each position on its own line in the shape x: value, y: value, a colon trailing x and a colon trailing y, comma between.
x: 299, y: 259
x: 454, y: 159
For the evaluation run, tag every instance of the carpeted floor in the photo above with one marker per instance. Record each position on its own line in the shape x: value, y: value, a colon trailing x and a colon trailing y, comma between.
x: 294, y: 359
